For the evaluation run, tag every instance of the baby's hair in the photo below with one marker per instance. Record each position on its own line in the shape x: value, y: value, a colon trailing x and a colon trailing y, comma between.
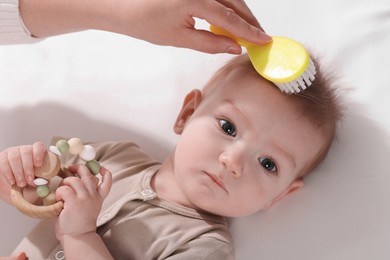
x: 319, y: 103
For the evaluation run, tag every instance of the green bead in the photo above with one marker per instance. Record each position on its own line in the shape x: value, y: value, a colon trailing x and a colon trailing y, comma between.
x: 43, y: 191
x: 93, y: 166
x: 63, y: 146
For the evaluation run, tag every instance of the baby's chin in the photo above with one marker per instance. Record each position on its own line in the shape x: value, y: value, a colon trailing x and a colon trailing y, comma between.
x: 233, y: 213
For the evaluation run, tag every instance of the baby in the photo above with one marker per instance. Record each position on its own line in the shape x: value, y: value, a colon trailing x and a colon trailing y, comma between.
x: 244, y: 145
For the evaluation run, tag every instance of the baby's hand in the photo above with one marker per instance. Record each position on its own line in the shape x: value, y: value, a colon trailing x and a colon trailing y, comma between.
x: 17, y: 163
x: 83, y: 199
x: 19, y: 256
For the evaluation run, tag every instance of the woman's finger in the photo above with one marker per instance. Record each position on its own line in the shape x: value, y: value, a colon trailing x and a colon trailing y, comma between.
x: 224, y: 17
x: 242, y: 9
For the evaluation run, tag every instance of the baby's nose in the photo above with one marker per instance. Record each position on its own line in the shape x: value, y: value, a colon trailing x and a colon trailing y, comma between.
x: 232, y: 160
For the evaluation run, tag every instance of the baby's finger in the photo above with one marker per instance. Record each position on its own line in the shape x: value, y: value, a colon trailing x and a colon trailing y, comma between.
x: 19, y: 256
x: 77, y: 185
x: 89, y: 180
x: 65, y: 193
x: 105, y: 185
x: 5, y: 169
x: 39, y: 150
x: 27, y: 162
x: 15, y: 163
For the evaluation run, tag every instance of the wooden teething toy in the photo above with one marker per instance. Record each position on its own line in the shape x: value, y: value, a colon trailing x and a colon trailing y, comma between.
x: 52, y: 167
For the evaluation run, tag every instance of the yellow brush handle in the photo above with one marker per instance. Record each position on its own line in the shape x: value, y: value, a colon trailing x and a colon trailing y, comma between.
x: 220, y: 31
x: 280, y: 61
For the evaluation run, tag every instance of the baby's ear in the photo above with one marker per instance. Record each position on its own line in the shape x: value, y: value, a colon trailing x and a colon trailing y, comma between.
x: 191, y: 102
x: 293, y: 187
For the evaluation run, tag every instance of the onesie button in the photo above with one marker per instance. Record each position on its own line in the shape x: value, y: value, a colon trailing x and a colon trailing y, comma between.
x: 148, y: 194
x: 60, y: 255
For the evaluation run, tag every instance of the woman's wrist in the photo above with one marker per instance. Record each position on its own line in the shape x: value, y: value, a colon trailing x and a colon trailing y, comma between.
x: 45, y: 18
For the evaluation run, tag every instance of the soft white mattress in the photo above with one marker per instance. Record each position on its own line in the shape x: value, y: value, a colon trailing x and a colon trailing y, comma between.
x: 97, y: 85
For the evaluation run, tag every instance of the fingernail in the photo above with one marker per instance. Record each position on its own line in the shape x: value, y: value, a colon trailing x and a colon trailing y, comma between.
x: 234, y: 50
x: 265, y: 38
x: 11, y: 181
x: 37, y: 163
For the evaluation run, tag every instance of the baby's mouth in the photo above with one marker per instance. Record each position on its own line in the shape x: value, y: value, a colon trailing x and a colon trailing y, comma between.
x: 217, y: 181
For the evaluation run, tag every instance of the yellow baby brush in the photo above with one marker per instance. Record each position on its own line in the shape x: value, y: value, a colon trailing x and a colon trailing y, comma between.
x: 283, y: 61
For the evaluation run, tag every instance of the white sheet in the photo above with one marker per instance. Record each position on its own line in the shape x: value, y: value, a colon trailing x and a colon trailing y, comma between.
x: 97, y: 85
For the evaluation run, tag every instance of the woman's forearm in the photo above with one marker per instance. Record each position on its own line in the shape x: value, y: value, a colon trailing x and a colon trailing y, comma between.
x: 46, y: 18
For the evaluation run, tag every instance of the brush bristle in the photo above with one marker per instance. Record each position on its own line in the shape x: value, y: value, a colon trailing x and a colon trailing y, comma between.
x: 301, y: 83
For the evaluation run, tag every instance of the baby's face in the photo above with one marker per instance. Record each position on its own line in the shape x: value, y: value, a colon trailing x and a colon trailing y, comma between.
x: 243, y: 148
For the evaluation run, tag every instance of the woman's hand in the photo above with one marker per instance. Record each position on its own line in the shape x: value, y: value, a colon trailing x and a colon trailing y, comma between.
x: 171, y: 22
x: 162, y: 22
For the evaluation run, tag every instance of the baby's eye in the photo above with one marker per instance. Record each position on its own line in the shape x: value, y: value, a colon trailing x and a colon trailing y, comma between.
x: 268, y: 164
x: 227, y: 127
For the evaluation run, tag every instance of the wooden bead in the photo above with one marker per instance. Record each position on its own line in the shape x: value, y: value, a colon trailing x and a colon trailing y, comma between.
x: 50, y: 167
x: 75, y: 146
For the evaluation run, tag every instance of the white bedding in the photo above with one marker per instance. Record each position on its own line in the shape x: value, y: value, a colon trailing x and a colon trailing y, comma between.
x: 97, y: 85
